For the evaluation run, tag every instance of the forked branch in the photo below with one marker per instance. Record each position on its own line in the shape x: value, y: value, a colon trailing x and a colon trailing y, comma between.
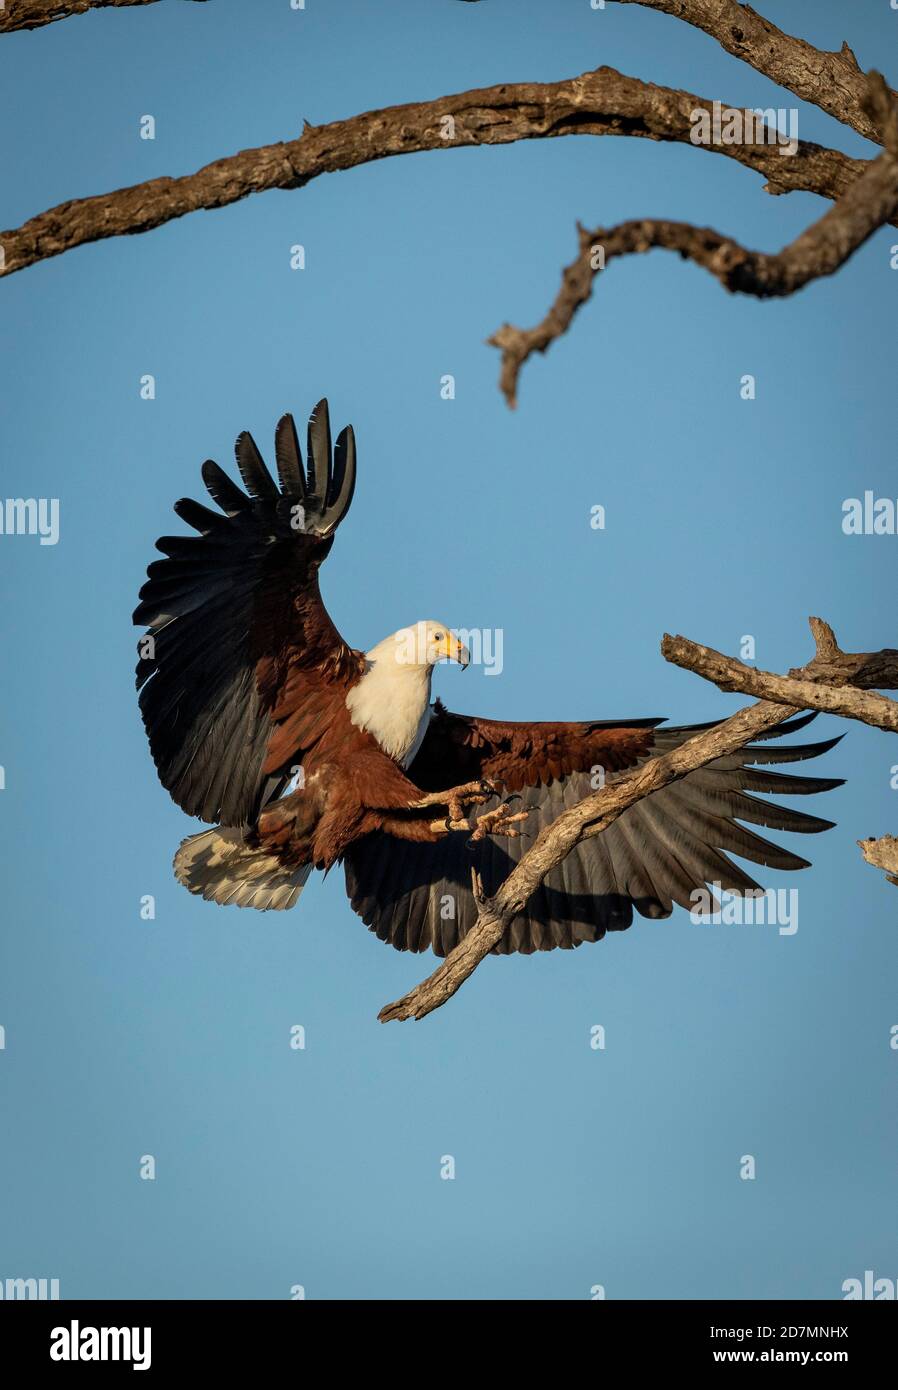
x: 848, y: 676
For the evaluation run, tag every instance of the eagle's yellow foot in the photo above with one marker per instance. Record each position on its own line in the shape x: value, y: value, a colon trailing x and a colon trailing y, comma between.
x: 456, y: 799
x: 448, y: 823
x: 501, y: 821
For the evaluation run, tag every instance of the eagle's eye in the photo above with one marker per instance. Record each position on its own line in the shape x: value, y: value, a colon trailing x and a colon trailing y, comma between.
x: 438, y: 637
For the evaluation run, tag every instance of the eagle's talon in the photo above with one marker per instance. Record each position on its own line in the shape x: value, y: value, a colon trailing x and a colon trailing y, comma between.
x: 499, y: 821
x: 456, y: 798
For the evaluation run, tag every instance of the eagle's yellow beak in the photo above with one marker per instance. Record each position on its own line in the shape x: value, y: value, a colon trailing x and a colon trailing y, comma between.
x: 458, y: 652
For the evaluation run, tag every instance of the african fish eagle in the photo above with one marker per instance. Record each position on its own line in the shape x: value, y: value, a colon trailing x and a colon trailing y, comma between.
x: 305, y: 752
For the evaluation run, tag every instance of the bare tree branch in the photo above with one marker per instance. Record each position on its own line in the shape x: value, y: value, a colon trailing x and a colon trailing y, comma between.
x: 833, y: 81
x: 882, y: 854
x: 820, y: 250
x: 603, y: 102
x: 845, y: 698
x: 863, y: 670
x: 34, y: 14
x: 846, y: 675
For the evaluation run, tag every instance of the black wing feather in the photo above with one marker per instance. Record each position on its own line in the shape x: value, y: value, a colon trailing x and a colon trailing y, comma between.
x: 214, y: 602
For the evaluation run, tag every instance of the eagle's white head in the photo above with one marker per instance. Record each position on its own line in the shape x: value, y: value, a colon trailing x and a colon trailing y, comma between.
x: 392, y: 698
x: 422, y: 645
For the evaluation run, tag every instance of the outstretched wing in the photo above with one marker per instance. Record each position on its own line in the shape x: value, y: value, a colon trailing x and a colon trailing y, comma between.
x: 460, y: 747
x: 240, y: 658
x: 658, y: 852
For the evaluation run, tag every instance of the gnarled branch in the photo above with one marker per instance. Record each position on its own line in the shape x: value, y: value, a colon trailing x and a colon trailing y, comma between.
x: 595, y: 813
x: 848, y: 676
x: 820, y: 250
x: 833, y: 81
x: 603, y: 102
x: 34, y: 14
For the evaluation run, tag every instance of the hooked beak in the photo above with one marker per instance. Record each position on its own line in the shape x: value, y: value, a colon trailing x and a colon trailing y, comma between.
x: 458, y: 652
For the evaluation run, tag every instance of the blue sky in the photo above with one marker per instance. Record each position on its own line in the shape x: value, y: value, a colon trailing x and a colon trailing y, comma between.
x: 321, y: 1167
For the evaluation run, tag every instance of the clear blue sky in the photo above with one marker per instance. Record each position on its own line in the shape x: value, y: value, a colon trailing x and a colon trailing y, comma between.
x: 575, y: 1167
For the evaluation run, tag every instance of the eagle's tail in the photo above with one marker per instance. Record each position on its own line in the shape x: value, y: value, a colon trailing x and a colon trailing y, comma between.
x: 219, y: 865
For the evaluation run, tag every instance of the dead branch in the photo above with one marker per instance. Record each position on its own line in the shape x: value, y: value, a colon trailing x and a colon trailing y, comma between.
x: 847, y: 676
x: 603, y: 102
x: 833, y: 81
x: 882, y: 854
x: 34, y: 14
x: 864, y: 670
x: 595, y: 813
x: 834, y: 681
x: 821, y: 250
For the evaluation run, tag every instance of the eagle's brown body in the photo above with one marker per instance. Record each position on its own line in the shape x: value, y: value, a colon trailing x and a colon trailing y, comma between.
x: 246, y: 685
x: 351, y: 787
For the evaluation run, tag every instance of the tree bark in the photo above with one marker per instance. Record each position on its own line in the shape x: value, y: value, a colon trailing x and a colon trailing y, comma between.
x: 833, y: 81
x: 844, y: 691
x: 882, y: 854
x: 34, y: 14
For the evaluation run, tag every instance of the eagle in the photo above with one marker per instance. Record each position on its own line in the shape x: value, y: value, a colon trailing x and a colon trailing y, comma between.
x: 304, y: 752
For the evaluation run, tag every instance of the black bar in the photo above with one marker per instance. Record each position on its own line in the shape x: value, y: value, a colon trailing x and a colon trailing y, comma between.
x: 231, y: 1337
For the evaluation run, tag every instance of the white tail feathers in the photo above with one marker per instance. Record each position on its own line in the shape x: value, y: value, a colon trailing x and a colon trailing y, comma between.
x: 220, y: 866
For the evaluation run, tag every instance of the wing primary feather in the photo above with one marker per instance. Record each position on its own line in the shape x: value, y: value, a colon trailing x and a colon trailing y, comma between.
x: 289, y: 458
x: 795, y: 753
x: 223, y: 489
x: 201, y: 518
x: 259, y: 482
x: 342, y: 483
x: 318, y: 455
